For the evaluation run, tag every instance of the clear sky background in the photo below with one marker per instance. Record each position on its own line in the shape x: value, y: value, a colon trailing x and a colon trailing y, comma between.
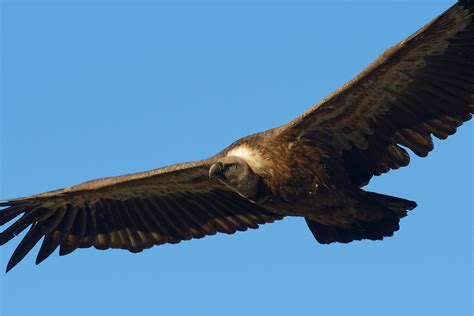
x: 102, y: 88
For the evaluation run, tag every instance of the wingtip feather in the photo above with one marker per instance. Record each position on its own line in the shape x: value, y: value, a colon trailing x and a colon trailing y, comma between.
x: 29, y: 241
x: 10, y: 266
x: 10, y: 213
x: 5, y: 237
x: 48, y: 246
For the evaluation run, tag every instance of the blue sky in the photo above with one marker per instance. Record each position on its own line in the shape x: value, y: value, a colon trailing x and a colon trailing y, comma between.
x: 101, y: 88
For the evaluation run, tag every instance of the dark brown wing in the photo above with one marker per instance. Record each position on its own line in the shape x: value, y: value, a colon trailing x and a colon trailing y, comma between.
x: 420, y: 87
x: 131, y: 212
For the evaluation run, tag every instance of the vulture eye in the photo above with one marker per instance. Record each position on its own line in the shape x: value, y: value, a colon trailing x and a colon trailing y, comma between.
x: 233, y: 167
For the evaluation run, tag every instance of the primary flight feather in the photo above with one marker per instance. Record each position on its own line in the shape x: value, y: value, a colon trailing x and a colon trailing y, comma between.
x: 312, y: 167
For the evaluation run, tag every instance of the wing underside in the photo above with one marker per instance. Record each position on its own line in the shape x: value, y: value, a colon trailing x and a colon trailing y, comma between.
x: 131, y: 212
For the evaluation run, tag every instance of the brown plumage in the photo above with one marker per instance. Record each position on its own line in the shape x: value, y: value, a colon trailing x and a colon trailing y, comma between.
x: 313, y: 166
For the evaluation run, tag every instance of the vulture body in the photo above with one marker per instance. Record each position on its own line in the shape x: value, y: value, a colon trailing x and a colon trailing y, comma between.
x: 313, y: 167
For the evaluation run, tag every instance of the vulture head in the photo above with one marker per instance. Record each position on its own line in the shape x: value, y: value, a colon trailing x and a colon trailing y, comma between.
x: 236, y: 174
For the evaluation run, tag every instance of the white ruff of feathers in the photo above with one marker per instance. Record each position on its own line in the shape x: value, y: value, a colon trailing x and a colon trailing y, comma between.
x: 253, y: 157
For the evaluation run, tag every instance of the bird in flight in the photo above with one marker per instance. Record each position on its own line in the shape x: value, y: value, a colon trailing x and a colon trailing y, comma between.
x: 313, y: 167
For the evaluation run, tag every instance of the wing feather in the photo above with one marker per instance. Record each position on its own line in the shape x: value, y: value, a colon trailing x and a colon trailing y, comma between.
x: 27, y: 243
x: 102, y: 239
x: 124, y: 237
x: 47, y: 247
x: 227, y: 225
x: 217, y: 224
x: 10, y: 213
x: 74, y: 239
x: 159, y: 226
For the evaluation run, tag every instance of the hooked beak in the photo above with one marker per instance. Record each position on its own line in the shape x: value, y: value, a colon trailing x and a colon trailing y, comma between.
x: 216, y: 169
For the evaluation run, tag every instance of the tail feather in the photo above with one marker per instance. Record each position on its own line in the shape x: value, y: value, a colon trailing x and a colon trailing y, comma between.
x: 365, y: 227
x: 395, y: 204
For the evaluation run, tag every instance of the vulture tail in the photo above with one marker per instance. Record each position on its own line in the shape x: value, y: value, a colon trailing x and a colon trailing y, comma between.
x: 374, y: 217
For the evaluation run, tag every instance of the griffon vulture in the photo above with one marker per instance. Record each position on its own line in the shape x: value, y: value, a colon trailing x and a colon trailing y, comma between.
x: 314, y: 167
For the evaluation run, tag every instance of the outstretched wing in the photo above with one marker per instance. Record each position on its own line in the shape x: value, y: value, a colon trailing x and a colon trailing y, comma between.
x: 420, y: 87
x: 131, y: 212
